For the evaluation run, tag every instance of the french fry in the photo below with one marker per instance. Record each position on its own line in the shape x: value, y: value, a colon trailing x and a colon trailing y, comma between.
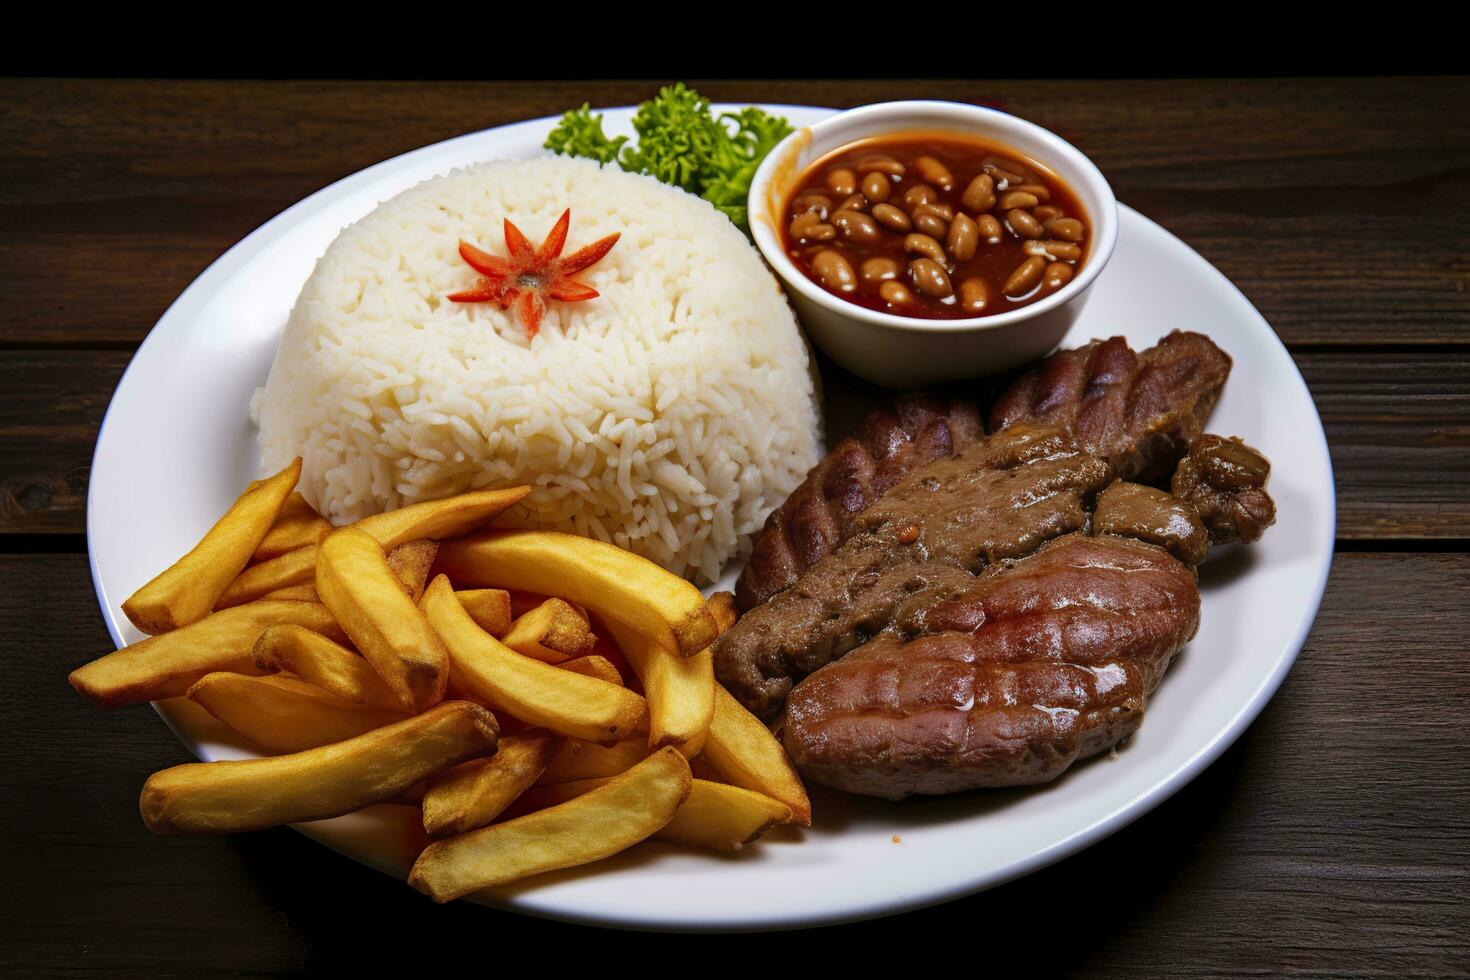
x: 230, y: 797
x: 301, y: 593
x: 440, y: 519
x: 536, y: 693
x: 489, y: 608
x: 716, y: 815
x: 594, y: 666
x: 167, y: 666
x: 614, y: 583
x: 326, y: 664
x: 745, y: 752
x: 411, y: 562
x: 285, y: 714
x: 294, y: 568
x: 296, y: 526
x: 680, y: 690
x: 581, y: 760
x: 474, y: 793
x: 187, y: 590
x: 374, y: 610
x: 552, y: 632
x: 595, y: 825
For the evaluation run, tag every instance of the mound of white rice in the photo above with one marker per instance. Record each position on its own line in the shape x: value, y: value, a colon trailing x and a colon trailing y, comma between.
x: 668, y: 416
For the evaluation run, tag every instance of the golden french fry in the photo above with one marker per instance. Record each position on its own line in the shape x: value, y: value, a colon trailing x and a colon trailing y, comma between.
x: 745, y: 752
x: 598, y: 824
x: 228, y: 797
x: 285, y: 714
x: 475, y: 793
x: 582, y: 760
x: 716, y: 815
x: 594, y: 666
x: 296, y: 526
x: 439, y: 519
x: 294, y: 568
x: 680, y: 690
x: 301, y: 593
x: 370, y: 604
x: 552, y: 632
x: 326, y: 664
x: 187, y: 590
x: 489, y: 608
x: 166, y: 666
x: 411, y: 562
x: 614, y: 583
x: 566, y: 703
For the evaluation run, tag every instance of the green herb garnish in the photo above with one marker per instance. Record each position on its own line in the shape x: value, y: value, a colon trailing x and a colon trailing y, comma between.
x: 681, y: 142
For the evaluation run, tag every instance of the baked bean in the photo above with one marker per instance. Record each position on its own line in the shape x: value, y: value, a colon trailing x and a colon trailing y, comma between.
x: 879, y: 269
x: 834, y: 271
x: 821, y: 204
x: 883, y: 165
x: 1067, y: 229
x: 1041, y: 192
x: 917, y: 244
x: 856, y: 226
x: 980, y: 195
x: 809, y: 227
x: 842, y: 181
x: 931, y: 224
x: 934, y: 172
x: 919, y: 194
x: 892, y: 218
x: 964, y: 238
x: 1017, y: 199
x: 1026, y: 276
x: 1046, y: 212
x: 876, y: 187
x: 940, y: 210
x: 855, y: 202
x: 1049, y: 250
x: 1055, y: 276
x: 931, y: 278
x: 1020, y: 221
x: 990, y: 228
x: 896, y: 293
x: 974, y: 294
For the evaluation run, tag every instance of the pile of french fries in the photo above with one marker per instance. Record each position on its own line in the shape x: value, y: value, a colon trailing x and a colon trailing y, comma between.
x: 546, y: 699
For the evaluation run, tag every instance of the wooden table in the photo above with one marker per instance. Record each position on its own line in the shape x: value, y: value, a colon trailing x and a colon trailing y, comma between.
x: 1333, y: 838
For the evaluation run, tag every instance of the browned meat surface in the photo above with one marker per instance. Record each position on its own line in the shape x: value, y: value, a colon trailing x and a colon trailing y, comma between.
x: 821, y: 513
x: 1132, y: 510
x: 1047, y: 660
x: 1142, y: 411
x: 1225, y: 480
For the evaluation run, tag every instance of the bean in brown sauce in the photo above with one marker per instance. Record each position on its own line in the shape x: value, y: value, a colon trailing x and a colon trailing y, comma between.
x: 935, y: 241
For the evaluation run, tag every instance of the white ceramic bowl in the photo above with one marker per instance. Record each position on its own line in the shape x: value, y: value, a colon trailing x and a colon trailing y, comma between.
x: 904, y: 352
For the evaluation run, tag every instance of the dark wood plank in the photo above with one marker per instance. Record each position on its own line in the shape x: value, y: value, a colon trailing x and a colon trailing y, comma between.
x: 1334, y: 838
x: 1398, y: 426
x: 1336, y: 204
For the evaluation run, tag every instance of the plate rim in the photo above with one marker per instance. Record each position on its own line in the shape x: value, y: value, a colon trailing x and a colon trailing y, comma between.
x: 1125, y: 814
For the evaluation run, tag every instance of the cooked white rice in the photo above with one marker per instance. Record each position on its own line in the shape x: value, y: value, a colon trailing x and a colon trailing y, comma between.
x: 668, y: 416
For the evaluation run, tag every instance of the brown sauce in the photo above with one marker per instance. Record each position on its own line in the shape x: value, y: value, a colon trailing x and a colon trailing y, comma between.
x: 935, y: 226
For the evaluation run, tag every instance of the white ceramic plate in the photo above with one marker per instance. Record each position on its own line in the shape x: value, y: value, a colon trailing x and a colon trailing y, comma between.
x: 177, y: 445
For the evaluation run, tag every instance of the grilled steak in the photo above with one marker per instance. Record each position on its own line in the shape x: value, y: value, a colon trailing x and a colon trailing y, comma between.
x: 820, y: 514
x: 1046, y: 661
x: 1030, y: 481
x: 1225, y: 480
x: 1140, y: 410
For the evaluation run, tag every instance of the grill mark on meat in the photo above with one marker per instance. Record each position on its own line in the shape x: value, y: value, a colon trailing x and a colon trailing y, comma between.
x: 1071, y: 641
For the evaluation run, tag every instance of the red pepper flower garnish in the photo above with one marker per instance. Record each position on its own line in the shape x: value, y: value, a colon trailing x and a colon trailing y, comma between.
x: 528, y: 277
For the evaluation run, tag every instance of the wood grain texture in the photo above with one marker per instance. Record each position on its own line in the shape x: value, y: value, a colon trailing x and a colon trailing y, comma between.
x: 1336, y: 205
x: 1332, y: 839
x: 1398, y: 427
